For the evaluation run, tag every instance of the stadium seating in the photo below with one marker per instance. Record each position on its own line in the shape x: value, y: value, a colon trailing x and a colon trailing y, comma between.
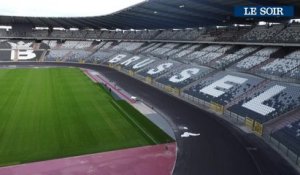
x: 51, y: 43
x: 289, y: 136
x: 127, y: 46
x: 188, y: 35
x: 295, y: 74
x: 130, y: 34
x: 106, y: 45
x: 290, y: 34
x: 166, y: 34
x: 281, y: 98
x: 150, y: 47
x: 147, y: 35
x: 250, y: 62
x: 55, y: 55
x: 183, y: 76
x: 4, y: 44
x: 179, y: 55
x: 232, y: 33
x: 79, y: 34
x: 158, y: 68
x: 177, y: 50
x: 119, y: 35
x: 77, y: 56
x: 242, y: 85
x: 203, y: 58
x: 69, y: 45
x: 198, y: 56
x: 193, y: 56
x: 83, y: 45
x: 294, y: 55
x: 5, y: 55
x: 280, y: 67
x: 38, y: 33
x: 93, y: 34
x: 212, y: 48
x: 162, y: 50
x: 98, y: 57
x: 259, y: 33
x: 256, y: 58
x: 106, y: 34
x: 226, y: 60
x: 3, y: 33
x: 262, y: 33
x: 61, y: 34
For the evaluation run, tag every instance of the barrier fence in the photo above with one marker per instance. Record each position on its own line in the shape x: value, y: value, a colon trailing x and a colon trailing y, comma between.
x: 285, y: 150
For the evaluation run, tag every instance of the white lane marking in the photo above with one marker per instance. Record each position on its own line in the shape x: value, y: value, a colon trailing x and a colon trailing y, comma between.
x: 188, y: 134
x: 183, y: 127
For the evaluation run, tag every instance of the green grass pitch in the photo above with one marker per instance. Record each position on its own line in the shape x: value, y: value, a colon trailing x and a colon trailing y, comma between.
x: 49, y: 113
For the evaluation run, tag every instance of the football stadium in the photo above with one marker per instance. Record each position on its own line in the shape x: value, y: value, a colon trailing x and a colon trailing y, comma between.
x: 153, y: 87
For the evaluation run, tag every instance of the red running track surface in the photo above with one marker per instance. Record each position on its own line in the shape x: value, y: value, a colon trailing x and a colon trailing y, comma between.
x: 147, y: 160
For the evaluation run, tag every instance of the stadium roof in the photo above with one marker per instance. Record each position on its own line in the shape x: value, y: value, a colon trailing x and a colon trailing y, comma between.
x: 154, y: 14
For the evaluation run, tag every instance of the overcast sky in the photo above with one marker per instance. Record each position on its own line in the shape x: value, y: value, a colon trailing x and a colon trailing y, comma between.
x: 63, y: 8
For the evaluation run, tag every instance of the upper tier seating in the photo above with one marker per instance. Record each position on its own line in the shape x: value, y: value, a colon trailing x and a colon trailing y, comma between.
x: 38, y: 33
x: 107, y: 34
x: 93, y: 34
x: 166, y: 34
x: 262, y: 33
x: 3, y: 33
x: 291, y: 34
x: 146, y: 35
x: 61, y: 34
x: 127, y: 46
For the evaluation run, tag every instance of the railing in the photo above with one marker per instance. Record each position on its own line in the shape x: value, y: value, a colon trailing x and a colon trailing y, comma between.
x: 295, y: 158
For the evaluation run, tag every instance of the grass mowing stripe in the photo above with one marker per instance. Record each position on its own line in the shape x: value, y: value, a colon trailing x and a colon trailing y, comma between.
x: 51, y: 113
x: 134, y: 122
x: 150, y: 130
x: 150, y: 127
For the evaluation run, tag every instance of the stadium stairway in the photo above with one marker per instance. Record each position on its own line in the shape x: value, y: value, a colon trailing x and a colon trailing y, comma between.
x: 65, y: 57
x: 43, y: 56
x: 257, y: 67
